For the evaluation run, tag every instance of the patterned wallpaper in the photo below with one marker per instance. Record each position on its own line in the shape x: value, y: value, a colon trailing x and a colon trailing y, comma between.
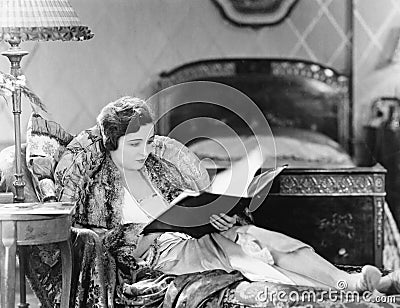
x: 376, y: 33
x: 136, y: 39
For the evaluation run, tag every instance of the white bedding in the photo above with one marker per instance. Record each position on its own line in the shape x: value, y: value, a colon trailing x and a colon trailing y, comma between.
x: 298, y: 148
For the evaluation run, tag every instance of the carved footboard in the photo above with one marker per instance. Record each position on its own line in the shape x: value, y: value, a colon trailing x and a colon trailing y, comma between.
x: 338, y: 211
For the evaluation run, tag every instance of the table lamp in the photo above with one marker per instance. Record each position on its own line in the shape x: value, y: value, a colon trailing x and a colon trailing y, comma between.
x: 33, y: 20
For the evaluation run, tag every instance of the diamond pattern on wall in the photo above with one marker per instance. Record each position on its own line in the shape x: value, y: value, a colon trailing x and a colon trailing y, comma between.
x: 373, y: 19
x: 136, y: 40
x: 326, y: 37
x: 374, y: 13
x: 376, y: 31
x: 324, y: 46
x: 297, y: 17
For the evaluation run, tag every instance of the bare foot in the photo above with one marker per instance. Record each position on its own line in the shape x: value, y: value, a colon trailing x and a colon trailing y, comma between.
x: 369, y: 280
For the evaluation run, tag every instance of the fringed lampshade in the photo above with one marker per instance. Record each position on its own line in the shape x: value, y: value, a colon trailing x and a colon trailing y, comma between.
x: 34, y: 20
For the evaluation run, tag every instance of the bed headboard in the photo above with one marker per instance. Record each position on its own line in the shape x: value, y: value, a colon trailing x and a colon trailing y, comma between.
x: 290, y: 93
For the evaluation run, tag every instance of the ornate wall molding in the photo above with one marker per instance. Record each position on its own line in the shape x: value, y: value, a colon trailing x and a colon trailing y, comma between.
x: 255, y: 13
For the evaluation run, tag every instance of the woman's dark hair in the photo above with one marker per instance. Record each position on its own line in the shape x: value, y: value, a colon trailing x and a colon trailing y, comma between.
x: 123, y: 116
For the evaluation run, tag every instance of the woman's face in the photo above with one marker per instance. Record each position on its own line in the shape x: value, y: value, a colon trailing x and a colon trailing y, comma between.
x: 133, y: 148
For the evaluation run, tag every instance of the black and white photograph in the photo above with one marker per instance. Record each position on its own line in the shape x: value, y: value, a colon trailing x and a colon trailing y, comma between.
x: 199, y: 153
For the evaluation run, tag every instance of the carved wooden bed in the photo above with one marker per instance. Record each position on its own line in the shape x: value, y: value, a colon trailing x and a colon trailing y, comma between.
x: 338, y: 208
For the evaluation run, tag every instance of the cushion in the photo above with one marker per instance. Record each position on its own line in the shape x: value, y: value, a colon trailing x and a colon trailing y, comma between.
x: 46, y: 141
x: 188, y: 164
x: 7, y: 170
x: 81, y: 159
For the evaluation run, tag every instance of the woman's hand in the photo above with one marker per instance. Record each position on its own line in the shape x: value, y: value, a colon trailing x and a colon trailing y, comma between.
x: 222, y: 222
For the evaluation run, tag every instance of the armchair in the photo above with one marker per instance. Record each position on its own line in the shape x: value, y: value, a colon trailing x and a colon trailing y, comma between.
x: 7, y: 170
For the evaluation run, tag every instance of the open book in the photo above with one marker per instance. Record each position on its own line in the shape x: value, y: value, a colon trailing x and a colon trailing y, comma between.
x: 231, y: 192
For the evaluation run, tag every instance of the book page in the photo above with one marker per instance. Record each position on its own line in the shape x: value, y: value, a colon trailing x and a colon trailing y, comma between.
x: 154, y: 207
x: 262, y: 180
x: 235, y: 180
x: 184, y: 194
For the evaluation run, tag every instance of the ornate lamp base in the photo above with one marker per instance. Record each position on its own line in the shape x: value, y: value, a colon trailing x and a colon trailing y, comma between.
x: 14, y: 55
